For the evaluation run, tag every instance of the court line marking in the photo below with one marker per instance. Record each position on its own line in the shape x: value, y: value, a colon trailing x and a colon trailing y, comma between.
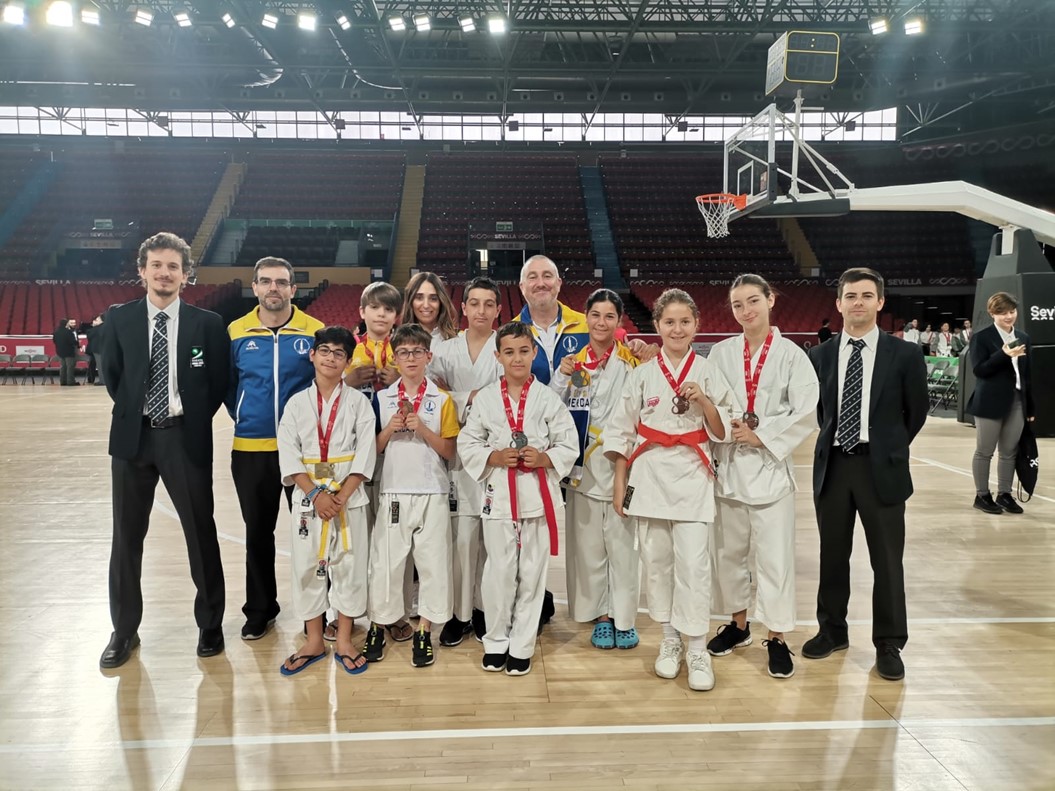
x: 967, y: 473
x: 519, y: 733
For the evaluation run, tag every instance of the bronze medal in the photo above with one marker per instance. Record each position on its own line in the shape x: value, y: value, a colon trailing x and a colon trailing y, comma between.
x: 323, y: 470
x: 405, y: 407
x: 751, y: 420
x: 581, y: 378
x: 681, y: 405
x: 520, y: 440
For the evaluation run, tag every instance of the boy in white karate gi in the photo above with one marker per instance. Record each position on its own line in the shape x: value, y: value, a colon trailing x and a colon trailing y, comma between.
x: 519, y: 441
x: 326, y: 449
x: 419, y: 425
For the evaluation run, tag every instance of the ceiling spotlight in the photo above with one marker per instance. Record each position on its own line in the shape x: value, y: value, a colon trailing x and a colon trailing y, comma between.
x: 397, y: 23
x: 182, y: 18
x: 228, y: 20
x: 913, y: 27
x: 878, y: 26
x: 306, y: 20
x: 496, y: 24
x: 144, y: 17
x: 15, y: 14
x: 342, y: 20
x: 90, y: 16
x: 59, y: 14
x: 269, y: 21
x: 467, y: 23
x: 422, y: 23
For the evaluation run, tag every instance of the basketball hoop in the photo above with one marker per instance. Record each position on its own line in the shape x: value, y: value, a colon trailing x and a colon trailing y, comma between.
x: 716, y: 209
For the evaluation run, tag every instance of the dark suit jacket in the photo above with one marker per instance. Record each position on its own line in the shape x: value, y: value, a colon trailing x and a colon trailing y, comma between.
x: 202, y: 384
x: 67, y: 344
x: 994, y: 387
x: 897, y: 409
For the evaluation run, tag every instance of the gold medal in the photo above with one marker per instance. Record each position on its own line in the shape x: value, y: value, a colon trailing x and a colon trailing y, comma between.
x: 323, y: 470
x: 581, y: 378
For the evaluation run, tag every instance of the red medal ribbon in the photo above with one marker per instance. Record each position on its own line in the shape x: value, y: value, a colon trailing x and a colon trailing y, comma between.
x: 593, y: 364
x: 653, y: 437
x: 948, y: 338
x: 675, y: 385
x: 324, y: 439
x: 517, y: 424
x: 417, y: 399
x: 751, y: 380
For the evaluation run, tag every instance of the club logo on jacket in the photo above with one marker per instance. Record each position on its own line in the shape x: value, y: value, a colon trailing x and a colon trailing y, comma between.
x: 652, y: 402
x: 302, y: 346
x: 570, y: 344
x: 430, y: 406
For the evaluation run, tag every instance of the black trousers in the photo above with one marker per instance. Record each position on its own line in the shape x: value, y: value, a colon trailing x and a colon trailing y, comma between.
x: 849, y: 491
x: 259, y: 485
x: 162, y: 454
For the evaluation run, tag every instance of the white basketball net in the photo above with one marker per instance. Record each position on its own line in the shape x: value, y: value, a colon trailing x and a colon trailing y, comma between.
x: 716, y: 210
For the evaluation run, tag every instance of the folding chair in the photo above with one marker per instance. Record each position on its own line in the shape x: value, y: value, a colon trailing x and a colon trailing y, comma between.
x: 38, y: 363
x: 20, y: 364
x: 54, y: 367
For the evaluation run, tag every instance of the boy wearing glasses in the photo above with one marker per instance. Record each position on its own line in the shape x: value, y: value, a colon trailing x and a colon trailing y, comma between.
x: 417, y: 427
x: 270, y: 362
x: 326, y: 449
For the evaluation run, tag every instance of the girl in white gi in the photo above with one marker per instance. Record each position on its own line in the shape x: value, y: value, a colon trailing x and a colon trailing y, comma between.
x: 425, y: 302
x: 462, y: 366
x: 326, y: 449
x: 519, y: 441
x: 601, y: 557
x: 942, y: 343
x: 776, y: 391
x: 412, y: 521
x: 660, y: 439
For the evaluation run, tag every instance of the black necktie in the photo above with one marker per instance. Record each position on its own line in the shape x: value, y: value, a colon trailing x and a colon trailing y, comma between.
x: 848, y: 433
x: 158, y: 383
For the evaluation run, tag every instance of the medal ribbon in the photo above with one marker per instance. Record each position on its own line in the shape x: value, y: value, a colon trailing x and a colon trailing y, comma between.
x: 593, y: 364
x: 751, y: 380
x: 675, y: 385
x: 417, y: 398
x: 653, y: 437
x: 517, y: 424
x: 324, y: 439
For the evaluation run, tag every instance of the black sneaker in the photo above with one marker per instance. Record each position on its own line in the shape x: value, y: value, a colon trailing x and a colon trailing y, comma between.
x: 254, y: 630
x: 822, y: 645
x: 479, y: 625
x: 984, y: 502
x: 518, y: 667
x: 374, y: 647
x: 422, y: 652
x: 494, y: 663
x: 1007, y: 503
x: 729, y: 636
x: 454, y: 632
x: 780, y: 664
x: 548, y: 611
x: 888, y: 662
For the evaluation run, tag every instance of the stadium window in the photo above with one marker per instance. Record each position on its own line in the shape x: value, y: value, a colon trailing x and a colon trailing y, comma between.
x: 28, y: 126
x: 370, y: 131
x: 595, y: 132
x: 633, y: 134
x: 373, y: 117
x: 452, y: 130
x: 138, y: 128
x: 223, y: 129
x: 652, y: 133
x: 93, y: 128
x: 326, y: 132
x: 49, y: 126
x: 613, y: 133
x: 491, y: 132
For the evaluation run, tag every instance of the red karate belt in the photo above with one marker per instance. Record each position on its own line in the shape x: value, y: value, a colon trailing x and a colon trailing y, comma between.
x: 547, y: 504
x: 653, y: 437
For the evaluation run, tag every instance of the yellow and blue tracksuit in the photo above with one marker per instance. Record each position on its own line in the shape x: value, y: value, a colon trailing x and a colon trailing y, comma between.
x: 266, y: 370
x: 572, y: 336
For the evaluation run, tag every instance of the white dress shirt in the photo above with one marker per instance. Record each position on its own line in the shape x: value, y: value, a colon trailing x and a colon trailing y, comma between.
x: 172, y: 328
x: 868, y: 358
x: 1007, y: 338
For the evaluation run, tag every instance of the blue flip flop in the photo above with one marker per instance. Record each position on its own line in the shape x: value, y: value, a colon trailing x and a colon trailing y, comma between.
x: 603, y: 635
x: 626, y: 638
x: 351, y: 671
x: 294, y: 657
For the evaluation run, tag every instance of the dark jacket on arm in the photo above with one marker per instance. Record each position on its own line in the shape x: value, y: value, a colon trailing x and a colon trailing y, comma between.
x: 994, y: 387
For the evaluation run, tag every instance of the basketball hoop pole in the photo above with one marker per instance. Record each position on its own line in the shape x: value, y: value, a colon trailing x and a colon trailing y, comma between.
x: 794, y: 191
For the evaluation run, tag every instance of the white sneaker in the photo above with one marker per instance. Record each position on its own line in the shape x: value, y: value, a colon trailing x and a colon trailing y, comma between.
x: 701, y: 675
x: 668, y: 663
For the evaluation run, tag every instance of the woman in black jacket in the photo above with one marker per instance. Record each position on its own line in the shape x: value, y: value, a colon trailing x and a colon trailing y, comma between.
x: 1001, y: 403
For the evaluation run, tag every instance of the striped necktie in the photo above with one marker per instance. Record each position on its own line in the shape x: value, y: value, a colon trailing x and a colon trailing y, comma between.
x: 158, y: 382
x: 848, y: 433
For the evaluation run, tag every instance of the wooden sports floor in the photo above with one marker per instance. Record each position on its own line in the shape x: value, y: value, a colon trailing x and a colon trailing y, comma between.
x: 975, y: 711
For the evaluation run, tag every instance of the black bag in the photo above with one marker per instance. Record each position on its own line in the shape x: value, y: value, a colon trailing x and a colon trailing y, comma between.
x: 1027, y: 462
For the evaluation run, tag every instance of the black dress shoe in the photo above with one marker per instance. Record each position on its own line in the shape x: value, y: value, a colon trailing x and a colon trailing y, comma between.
x: 1007, y: 502
x: 118, y: 651
x: 888, y: 662
x: 984, y: 502
x: 210, y: 642
x: 823, y: 645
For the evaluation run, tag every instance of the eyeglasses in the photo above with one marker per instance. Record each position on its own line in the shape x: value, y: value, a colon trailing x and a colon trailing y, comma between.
x: 337, y: 354
x: 267, y: 282
x: 405, y: 354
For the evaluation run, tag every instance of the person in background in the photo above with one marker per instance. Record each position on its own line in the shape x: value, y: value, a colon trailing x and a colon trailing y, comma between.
x: 825, y: 332
x: 926, y: 340
x: 425, y: 302
x: 911, y: 333
x: 96, y: 337
x: 67, y: 344
x: 942, y: 343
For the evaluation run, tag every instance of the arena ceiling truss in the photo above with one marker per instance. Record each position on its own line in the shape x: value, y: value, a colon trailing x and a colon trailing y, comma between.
x: 975, y: 65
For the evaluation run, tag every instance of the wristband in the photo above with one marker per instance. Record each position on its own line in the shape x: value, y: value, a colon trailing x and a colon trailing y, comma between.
x: 310, y: 496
